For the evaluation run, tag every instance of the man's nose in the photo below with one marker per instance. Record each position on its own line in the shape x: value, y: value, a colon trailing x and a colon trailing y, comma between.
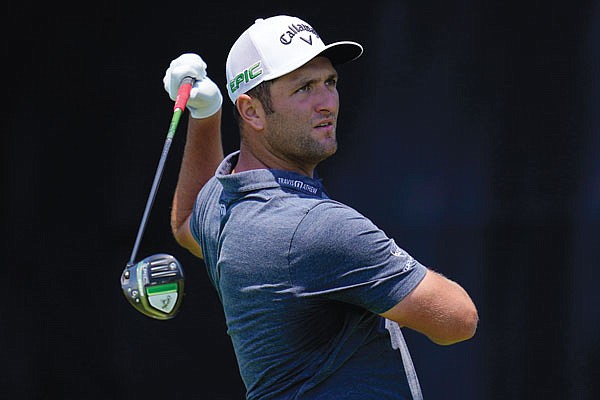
x: 328, y: 100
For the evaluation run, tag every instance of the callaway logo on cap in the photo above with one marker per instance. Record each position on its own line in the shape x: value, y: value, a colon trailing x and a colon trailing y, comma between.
x: 275, y: 46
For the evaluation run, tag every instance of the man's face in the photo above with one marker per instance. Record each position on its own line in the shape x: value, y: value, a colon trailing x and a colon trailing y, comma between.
x: 305, y: 102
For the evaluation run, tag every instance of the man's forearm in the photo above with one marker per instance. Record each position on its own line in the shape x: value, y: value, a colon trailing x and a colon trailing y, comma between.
x: 201, y: 156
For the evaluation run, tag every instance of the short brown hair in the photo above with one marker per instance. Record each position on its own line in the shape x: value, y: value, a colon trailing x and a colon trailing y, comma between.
x: 262, y: 92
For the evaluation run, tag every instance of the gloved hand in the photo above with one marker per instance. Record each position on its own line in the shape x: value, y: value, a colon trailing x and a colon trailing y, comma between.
x: 205, y: 97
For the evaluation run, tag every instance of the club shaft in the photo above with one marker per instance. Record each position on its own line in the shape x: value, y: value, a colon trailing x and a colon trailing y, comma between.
x: 180, y: 102
x: 157, y: 177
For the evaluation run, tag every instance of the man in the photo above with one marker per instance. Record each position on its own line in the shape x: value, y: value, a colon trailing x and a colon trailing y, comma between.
x: 313, y: 292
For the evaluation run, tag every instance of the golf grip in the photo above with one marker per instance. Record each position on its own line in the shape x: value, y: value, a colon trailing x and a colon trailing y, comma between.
x: 183, y: 94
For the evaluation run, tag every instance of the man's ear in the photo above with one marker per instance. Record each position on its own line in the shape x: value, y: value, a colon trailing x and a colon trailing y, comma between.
x: 251, y: 111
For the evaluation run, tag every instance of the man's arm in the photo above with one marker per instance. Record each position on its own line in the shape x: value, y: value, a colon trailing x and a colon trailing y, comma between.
x: 438, y: 308
x: 203, y: 148
x: 201, y: 156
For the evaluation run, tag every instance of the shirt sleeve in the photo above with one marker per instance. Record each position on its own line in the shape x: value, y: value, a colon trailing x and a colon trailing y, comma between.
x: 203, y: 226
x: 339, y: 254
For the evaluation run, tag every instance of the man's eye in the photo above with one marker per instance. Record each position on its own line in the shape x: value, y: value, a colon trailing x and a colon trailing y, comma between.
x: 331, y: 82
x: 304, y: 88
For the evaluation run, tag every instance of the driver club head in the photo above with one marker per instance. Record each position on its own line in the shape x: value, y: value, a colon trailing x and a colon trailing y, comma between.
x: 154, y: 286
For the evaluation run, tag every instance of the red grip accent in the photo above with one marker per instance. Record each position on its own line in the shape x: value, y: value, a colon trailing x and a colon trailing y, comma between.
x: 183, y: 94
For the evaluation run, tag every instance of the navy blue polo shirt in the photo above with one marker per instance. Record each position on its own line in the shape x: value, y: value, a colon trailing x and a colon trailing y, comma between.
x: 301, y: 278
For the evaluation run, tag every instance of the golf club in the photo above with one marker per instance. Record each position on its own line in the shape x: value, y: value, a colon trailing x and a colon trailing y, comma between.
x: 154, y: 285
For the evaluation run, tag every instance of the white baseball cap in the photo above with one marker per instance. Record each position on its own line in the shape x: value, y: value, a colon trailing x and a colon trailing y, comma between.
x: 275, y: 46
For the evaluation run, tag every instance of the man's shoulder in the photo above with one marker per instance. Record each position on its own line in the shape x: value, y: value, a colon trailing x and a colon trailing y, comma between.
x: 333, y: 222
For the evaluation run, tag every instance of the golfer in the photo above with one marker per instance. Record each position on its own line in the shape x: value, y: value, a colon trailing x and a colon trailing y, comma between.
x: 313, y: 293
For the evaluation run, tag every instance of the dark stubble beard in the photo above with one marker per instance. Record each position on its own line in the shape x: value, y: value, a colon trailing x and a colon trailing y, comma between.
x: 297, y: 144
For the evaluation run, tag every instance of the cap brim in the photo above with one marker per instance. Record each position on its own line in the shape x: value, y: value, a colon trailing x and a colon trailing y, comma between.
x: 342, y: 52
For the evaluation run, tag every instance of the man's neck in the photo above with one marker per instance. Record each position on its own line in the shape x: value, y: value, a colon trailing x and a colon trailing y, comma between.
x: 249, y: 160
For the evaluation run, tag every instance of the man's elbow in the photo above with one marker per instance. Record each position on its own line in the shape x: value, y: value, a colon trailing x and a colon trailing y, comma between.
x: 463, y: 328
x: 184, y: 238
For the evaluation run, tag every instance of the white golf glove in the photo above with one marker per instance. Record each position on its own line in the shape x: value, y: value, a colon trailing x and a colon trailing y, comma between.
x: 205, y: 97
